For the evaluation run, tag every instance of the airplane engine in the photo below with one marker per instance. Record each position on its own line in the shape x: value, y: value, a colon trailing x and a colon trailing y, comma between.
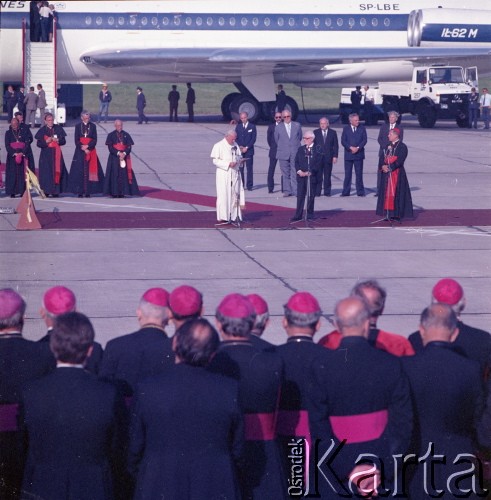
x: 445, y: 27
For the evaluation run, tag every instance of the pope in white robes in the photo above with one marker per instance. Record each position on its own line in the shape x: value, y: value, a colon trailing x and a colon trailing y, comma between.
x: 230, y: 190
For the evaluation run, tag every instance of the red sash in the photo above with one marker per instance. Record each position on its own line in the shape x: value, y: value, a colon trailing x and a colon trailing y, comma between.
x: 123, y: 147
x: 360, y: 428
x: 57, y: 148
x: 390, y: 190
x: 91, y: 159
x: 8, y: 417
x: 18, y: 145
x: 259, y: 426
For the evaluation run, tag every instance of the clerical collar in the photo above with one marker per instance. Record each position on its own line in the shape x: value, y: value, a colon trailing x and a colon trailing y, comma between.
x: 10, y: 335
x: 300, y: 338
x: 227, y: 343
x: 153, y: 325
x: 59, y: 364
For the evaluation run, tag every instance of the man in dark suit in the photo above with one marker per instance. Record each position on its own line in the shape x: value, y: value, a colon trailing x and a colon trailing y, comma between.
x: 280, y: 99
x: 21, y: 361
x: 186, y: 435
x: 173, y: 99
x: 383, y: 139
x: 327, y: 140
x: 356, y: 97
x: 307, y: 164
x: 75, y: 423
x: 141, y: 103
x: 353, y: 140
x: 61, y: 300
x: 272, y: 150
x: 190, y: 100
x: 447, y: 394
x: 131, y: 358
x: 259, y: 374
x: 246, y: 138
x: 261, y: 321
x: 288, y: 136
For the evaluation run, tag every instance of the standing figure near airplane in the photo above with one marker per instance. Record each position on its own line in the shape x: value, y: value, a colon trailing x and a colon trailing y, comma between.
x: 272, y: 150
x: 173, y: 99
x: 86, y: 176
x: 141, y: 103
x: 190, y: 100
x: 105, y: 98
x: 42, y: 104
x: 246, y: 138
x: 473, y: 108
x: 356, y: 96
x: 383, y: 139
x: 10, y: 100
x: 280, y: 99
x: 53, y: 175
x: 326, y: 139
x: 353, y: 140
x: 120, y: 178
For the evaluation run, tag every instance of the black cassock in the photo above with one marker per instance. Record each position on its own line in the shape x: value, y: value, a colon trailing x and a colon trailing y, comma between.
x: 120, y: 181
x: 51, y: 182
x: 394, y: 199
x: 86, y: 175
x: 15, y: 179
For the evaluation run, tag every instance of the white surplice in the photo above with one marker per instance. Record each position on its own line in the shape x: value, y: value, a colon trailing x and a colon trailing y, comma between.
x: 230, y: 191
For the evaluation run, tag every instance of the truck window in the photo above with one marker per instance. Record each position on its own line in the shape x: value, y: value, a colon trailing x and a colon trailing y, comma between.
x: 421, y: 77
x: 447, y: 75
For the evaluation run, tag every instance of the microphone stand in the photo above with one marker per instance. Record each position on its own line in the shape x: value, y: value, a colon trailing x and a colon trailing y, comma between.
x: 235, y: 189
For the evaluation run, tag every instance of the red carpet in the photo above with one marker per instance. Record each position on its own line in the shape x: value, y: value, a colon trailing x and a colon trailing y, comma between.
x: 270, y: 218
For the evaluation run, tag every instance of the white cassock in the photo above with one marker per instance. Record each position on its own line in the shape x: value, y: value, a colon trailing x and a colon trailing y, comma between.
x: 230, y: 191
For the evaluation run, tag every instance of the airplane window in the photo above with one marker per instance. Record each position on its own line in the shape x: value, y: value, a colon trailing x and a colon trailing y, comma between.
x: 317, y: 22
x: 363, y: 22
x: 98, y: 20
x: 199, y: 21
x: 189, y: 21
x: 144, y: 21
x: 351, y: 22
x: 386, y: 21
x: 267, y: 21
x: 374, y: 21
x: 209, y: 21
x: 121, y: 20
x: 305, y: 21
x: 177, y: 21
x: 165, y: 21
x: 232, y: 21
x: 110, y: 20
x: 291, y: 21
x: 339, y: 22
x: 281, y: 21
x: 327, y: 22
x: 255, y: 21
x: 154, y: 21
x: 243, y: 21
x: 88, y: 20
x: 221, y: 21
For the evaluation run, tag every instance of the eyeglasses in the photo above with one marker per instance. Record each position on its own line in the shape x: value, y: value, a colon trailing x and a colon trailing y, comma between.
x: 277, y: 117
x: 287, y: 116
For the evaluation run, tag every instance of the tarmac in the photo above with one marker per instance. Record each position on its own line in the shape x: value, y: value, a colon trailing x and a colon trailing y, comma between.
x: 109, y: 251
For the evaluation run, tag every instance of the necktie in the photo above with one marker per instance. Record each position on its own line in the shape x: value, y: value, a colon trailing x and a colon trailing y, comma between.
x: 244, y: 125
x: 324, y: 133
x: 354, y: 129
x: 288, y: 129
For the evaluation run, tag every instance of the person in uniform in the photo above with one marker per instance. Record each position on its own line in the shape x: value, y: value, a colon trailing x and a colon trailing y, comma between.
x: 230, y: 189
x: 120, y: 179
x: 447, y: 393
x: 259, y: 374
x: 86, y: 176
x: 131, y: 358
x: 302, y: 317
x: 375, y: 296
x: 472, y: 342
x: 261, y: 322
x: 75, y: 423
x: 173, y: 99
x: 190, y: 101
x: 61, y: 300
x: 21, y: 360
x: 141, y: 104
x: 19, y: 157
x: 355, y: 98
x: 383, y: 139
x: 308, y: 166
x: 360, y: 404
x: 394, y: 201
x: 246, y: 138
x: 53, y: 175
x: 187, y: 433
x: 326, y: 139
x: 185, y: 304
x: 272, y: 150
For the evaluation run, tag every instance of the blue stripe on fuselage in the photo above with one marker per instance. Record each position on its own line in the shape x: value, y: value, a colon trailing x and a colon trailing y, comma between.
x: 220, y: 22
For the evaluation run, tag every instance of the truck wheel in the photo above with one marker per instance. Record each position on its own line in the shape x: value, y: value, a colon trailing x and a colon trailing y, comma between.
x: 426, y: 116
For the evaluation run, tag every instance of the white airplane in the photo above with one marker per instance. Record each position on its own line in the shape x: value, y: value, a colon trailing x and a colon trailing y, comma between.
x: 253, y: 44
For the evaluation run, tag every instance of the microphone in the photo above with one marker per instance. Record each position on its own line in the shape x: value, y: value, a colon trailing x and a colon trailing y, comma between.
x: 234, y: 149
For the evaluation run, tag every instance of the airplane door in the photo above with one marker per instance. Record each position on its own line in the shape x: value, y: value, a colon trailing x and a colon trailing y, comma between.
x: 471, y: 76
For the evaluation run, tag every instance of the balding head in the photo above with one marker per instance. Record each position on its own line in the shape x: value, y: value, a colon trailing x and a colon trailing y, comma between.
x: 195, y: 342
x: 374, y: 294
x: 438, y: 323
x: 351, y: 317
